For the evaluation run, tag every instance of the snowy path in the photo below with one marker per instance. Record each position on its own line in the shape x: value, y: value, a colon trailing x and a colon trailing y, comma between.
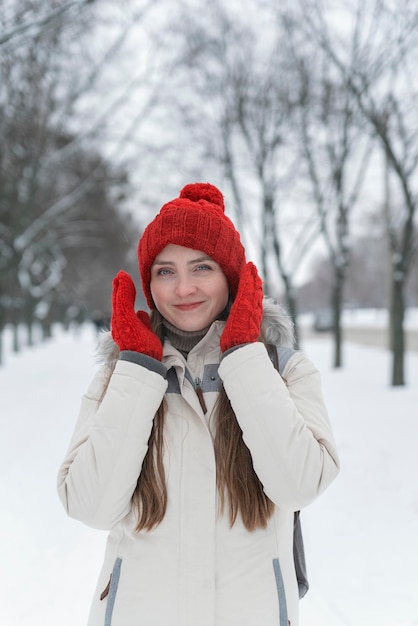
x: 361, y: 536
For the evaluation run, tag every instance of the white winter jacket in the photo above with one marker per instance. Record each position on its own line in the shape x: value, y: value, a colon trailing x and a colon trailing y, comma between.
x: 194, y: 569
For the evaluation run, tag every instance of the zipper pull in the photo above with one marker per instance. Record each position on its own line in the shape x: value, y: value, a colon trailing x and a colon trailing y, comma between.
x: 199, y: 393
x: 106, y: 590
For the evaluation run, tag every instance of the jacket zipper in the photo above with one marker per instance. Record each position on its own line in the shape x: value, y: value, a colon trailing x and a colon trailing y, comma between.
x: 199, y: 393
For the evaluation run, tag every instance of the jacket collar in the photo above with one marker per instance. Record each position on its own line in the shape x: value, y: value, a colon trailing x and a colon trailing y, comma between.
x: 277, y: 328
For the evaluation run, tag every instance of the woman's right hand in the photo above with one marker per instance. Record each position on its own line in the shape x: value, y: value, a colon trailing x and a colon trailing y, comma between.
x: 130, y: 330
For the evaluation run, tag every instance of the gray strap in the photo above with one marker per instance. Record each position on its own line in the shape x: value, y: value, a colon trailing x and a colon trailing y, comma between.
x: 279, y: 356
x: 284, y: 355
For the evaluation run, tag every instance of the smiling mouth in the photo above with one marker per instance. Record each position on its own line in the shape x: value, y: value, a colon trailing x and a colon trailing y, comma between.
x: 187, y: 307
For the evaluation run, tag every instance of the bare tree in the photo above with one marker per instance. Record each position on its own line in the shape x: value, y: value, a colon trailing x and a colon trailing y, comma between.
x: 33, y: 25
x: 48, y: 176
x: 382, y: 78
x: 72, y: 98
x: 247, y: 93
x: 337, y: 151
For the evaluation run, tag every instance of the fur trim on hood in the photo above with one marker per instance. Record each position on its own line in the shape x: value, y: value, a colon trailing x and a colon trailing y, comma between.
x: 276, y: 326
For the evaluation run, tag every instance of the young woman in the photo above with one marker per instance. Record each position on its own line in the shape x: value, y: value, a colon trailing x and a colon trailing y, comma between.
x: 190, y: 448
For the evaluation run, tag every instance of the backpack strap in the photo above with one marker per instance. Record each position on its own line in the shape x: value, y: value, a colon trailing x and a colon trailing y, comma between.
x: 279, y: 356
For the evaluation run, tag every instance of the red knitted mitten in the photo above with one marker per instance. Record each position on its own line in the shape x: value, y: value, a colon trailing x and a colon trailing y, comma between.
x: 130, y: 330
x: 244, y: 320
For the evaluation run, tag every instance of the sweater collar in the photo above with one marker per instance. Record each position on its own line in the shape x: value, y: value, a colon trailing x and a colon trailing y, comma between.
x: 183, y: 340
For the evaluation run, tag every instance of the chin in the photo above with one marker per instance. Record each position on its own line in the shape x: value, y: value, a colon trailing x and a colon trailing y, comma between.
x: 193, y: 326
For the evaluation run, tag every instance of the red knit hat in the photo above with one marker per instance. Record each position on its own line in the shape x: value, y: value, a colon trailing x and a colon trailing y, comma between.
x: 197, y: 220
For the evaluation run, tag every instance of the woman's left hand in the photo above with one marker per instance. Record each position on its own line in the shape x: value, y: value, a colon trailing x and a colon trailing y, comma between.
x: 244, y: 320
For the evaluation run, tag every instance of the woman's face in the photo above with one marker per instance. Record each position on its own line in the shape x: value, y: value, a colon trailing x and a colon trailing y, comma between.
x: 189, y: 289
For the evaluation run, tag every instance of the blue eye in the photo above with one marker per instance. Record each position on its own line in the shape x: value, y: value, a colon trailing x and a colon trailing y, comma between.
x: 203, y: 267
x: 164, y: 271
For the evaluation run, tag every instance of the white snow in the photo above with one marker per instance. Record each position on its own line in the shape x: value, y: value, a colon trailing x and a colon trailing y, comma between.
x: 367, y: 318
x: 361, y: 536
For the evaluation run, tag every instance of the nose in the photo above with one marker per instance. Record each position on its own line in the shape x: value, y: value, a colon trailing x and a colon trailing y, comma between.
x: 185, y: 286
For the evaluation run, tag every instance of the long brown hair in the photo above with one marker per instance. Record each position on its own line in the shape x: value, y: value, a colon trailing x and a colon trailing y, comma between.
x: 239, y: 487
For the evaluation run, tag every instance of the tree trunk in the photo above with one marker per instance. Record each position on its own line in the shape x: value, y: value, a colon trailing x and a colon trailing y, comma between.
x: 397, y: 333
x: 29, y: 315
x: 2, y: 324
x: 46, y: 329
x: 267, y: 222
x: 292, y: 307
x: 337, y: 299
x: 16, y: 345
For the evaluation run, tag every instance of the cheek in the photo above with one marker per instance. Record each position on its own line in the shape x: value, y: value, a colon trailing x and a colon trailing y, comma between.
x: 223, y: 293
x: 156, y: 292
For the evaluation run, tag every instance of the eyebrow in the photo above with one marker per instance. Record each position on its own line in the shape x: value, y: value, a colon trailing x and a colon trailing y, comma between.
x: 198, y: 260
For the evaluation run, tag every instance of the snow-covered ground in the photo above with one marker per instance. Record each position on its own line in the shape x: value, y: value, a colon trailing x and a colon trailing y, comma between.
x: 361, y: 536
x: 367, y: 318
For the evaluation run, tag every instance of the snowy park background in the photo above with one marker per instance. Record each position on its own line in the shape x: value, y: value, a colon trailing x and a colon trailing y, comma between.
x: 361, y: 536
x: 311, y: 130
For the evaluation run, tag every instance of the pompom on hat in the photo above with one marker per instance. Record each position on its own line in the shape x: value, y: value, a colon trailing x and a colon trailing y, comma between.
x: 197, y: 220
